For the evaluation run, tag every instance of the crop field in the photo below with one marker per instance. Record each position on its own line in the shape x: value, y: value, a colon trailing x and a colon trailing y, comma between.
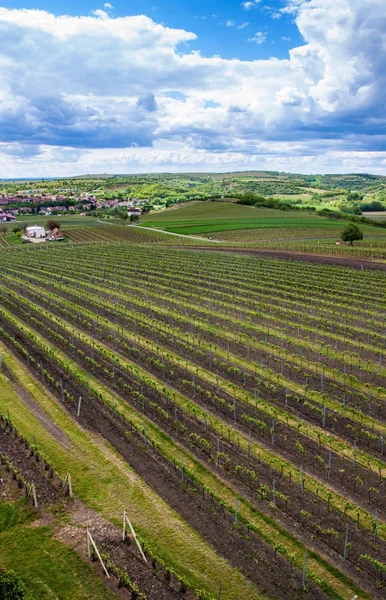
x: 124, y: 233
x: 238, y: 226
x: 234, y: 405
x: 209, y: 217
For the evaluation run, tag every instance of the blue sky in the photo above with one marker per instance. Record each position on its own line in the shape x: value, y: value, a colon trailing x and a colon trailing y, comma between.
x: 139, y: 86
x: 222, y: 27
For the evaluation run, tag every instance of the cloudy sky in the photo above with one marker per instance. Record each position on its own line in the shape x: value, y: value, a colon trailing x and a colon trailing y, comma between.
x: 133, y: 86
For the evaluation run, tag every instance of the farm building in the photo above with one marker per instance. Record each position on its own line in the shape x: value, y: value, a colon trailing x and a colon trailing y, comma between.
x: 134, y: 211
x: 56, y: 235
x: 35, y: 232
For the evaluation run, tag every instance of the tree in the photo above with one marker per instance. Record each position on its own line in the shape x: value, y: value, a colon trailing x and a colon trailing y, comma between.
x: 351, y: 233
x: 52, y: 224
x: 134, y: 218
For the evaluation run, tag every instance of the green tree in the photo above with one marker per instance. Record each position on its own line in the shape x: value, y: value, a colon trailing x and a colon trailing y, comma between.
x: 351, y: 233
x: 52, y: 224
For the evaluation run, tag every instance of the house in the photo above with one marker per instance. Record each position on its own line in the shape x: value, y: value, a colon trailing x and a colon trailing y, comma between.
x: 134, y: 211
x: 56, y: 235
x: 35, y: 232
x: 4, y: 217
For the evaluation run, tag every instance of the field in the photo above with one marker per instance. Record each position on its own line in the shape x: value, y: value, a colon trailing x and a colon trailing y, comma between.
x: 237, y: 226
x: 209, y: 217
x: 234, y: 405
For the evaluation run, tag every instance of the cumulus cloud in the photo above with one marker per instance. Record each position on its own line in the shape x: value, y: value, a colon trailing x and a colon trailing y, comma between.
x: 259, y: 37
x: 91, y: 83
x: 250, y: 4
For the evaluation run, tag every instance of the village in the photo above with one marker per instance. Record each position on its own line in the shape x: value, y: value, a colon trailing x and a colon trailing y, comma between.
x: 33, y: 202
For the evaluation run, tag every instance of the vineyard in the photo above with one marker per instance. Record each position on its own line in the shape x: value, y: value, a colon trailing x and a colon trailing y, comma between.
x: 234, y: 404
x: 237, y: 226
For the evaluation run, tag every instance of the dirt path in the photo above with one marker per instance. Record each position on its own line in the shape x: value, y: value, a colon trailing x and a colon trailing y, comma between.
x: 196, y: 237
x: 37, y: 411
x: 356, y: 263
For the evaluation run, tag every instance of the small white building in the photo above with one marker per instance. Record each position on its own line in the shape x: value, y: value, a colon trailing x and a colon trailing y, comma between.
x: 134, y: 211
x: 35, y: 232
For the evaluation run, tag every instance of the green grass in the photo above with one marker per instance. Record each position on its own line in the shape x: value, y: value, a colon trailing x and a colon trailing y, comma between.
x: 209, y: 217
x: 49, y: 568
x: 64, y: 220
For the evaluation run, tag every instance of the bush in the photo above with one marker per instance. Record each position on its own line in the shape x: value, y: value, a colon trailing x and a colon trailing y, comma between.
x: 374, y: 206
x: 12, y: 588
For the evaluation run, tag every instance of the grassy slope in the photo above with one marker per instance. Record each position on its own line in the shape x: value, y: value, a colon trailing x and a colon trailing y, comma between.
x: 104, y: 482
x: 206, y: 217
x: 49, y: 568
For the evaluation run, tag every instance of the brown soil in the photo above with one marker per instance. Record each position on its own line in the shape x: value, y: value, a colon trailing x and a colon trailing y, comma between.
x: 108, y: 539
x: 356, y: 263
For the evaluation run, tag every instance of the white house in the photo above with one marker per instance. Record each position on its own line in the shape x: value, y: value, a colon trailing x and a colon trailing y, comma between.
x: 134, y: 211
x: 35, y: 232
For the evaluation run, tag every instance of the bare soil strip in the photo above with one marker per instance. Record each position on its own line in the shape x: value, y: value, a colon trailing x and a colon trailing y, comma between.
x: 356, y: 263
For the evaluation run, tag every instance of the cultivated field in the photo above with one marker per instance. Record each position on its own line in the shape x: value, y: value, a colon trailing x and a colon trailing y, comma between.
x: 238, y: 226
x: 234, y: 405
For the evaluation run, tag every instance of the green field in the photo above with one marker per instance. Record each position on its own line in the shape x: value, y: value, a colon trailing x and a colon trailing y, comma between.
x: 209, y: 217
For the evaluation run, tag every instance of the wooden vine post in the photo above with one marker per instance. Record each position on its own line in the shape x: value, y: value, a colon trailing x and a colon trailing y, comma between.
x: 32, y: 492
x: 67, y: 483
x: 92, y: 544
x: 126, y: 521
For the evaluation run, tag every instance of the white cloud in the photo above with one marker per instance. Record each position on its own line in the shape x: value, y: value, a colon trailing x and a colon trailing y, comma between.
x: 108, y: 5
x: 289, y: 96
x: 259, y: 37
x: 128, y: 88
x: 100, y: 13
x: 233, y: 23
x: 250, y: 4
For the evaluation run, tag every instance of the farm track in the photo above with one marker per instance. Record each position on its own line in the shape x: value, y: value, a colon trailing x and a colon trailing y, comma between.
x: 134, y: 346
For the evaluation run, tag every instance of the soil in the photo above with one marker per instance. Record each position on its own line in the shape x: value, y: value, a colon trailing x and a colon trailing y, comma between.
x: 30, y: 466
x: 125, y: 556
x: 324, y: 260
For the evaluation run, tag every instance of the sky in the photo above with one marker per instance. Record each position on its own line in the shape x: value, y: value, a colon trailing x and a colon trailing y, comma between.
x: 132, y: 86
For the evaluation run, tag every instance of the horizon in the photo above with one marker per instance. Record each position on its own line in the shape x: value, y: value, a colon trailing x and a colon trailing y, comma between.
x: 150, y: 173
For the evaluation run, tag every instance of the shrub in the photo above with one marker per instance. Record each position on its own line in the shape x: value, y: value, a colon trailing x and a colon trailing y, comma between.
x: 12, y: 588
